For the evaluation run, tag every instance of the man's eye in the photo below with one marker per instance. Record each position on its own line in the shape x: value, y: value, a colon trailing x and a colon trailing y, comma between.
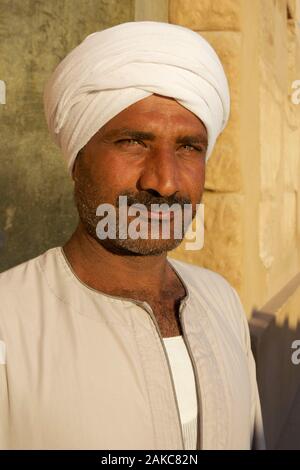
x: 192, y: 147
x: 129, y: 141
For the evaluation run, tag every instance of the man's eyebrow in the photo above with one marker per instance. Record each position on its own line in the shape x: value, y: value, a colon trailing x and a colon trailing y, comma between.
x: 132, y: 133
x: 142, y: 135
x: 192, y: 139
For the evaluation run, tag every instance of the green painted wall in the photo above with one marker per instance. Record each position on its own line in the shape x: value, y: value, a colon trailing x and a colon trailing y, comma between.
x: 36, y: 197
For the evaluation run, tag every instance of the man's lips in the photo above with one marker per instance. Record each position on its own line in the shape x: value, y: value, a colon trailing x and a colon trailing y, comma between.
x: 156, y: 215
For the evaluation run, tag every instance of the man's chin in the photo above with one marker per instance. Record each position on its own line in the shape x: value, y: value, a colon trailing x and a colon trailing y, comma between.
x: 140, y: 247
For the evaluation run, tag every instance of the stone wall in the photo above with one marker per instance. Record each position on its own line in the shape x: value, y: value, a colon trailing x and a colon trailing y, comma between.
x: 36, y: 201
x: 252, y: 191
x: 274, y: 328
x: 252, y: 185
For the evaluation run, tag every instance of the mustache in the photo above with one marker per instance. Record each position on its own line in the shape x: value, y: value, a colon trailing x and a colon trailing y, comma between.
x: 147, y: 199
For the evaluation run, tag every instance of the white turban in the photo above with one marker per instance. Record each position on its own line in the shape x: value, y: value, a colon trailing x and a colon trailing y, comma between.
x: 114, y: 68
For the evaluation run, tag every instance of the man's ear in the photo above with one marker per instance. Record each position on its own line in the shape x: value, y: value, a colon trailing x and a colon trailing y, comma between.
x: 74, y: 169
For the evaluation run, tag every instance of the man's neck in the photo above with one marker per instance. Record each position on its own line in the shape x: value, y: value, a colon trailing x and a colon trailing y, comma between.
x: 114, y: 273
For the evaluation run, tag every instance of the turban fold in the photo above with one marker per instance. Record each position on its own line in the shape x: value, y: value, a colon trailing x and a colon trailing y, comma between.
x: 114, y: 68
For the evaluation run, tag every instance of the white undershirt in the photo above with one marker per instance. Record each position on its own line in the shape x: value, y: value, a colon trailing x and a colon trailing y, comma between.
x: 184, y: 381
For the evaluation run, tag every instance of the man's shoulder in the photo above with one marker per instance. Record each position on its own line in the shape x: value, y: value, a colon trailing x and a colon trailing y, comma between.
x: 212, y: 291
x: 15, y: 281
x: 200, y: 277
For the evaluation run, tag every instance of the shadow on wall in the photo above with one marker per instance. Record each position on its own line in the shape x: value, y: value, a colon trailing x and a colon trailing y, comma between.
x: 36, y: 198
x: 278, y: 380
x: 37, y: 211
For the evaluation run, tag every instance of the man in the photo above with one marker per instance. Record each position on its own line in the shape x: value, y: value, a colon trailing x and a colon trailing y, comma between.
x: 106, y: 342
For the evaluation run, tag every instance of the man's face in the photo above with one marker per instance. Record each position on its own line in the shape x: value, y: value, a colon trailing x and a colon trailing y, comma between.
x: 153, y: 152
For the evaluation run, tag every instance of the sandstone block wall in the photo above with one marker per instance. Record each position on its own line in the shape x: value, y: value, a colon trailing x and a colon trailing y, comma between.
x: 252, y: 185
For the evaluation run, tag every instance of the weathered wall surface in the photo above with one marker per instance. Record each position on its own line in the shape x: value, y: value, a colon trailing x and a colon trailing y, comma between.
x: 274, y: 328
x: 252, y: 184
x: 252, y: 195
x: 36, y: 202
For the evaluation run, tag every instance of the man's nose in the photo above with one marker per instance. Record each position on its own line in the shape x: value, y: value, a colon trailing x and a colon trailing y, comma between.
x: 160, y: 173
